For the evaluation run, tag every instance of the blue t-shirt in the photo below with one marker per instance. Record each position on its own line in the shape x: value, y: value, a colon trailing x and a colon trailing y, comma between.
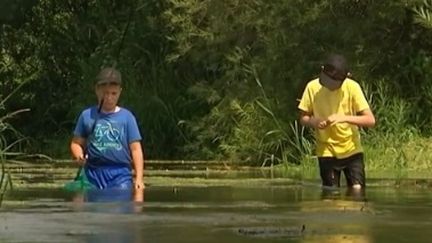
x: 108, y: 136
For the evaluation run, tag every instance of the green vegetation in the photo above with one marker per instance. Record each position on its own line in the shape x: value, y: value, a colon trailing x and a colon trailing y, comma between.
x: 219, y: 79
x: 9, y: 137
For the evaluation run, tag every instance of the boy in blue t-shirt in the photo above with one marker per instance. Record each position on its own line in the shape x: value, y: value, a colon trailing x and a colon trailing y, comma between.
x: 107, y: 141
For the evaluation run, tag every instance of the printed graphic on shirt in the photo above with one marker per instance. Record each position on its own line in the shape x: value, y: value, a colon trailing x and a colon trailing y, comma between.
x: 107, y: 136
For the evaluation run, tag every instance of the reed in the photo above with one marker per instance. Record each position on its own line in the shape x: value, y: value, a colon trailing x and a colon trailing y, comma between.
x: 9, y: 137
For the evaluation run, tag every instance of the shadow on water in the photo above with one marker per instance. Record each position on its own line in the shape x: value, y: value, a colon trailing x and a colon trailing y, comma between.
x: 224, y: 209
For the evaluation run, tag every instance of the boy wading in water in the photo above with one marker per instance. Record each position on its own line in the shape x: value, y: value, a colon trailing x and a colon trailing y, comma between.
x: 335, y: 106
x: 107, y: 141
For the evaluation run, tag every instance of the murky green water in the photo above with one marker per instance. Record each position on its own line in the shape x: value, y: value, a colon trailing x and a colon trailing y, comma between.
x: 225, y: 207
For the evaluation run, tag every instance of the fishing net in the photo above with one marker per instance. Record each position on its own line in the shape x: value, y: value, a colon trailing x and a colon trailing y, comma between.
x: 80, y: 183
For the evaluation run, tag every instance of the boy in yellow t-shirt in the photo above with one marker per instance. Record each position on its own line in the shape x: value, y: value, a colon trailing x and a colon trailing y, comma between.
x: 336, y: 107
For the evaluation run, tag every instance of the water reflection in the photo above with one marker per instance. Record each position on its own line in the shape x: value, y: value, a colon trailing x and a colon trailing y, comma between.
x: 109, y: 200
x: 117, y: 232
x: 237, y: 208
x: 354, y: 194
x: 221, y: 214
x: 117, y: 201
x: 342, y: 215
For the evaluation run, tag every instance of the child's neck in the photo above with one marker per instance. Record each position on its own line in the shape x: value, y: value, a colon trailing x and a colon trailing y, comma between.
x: 115, y: 109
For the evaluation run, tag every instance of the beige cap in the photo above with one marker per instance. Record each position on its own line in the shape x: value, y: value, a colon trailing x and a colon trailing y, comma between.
x: 108, y: 76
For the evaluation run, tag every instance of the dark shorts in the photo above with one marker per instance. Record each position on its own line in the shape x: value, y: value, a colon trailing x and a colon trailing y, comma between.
x: 353, y: 168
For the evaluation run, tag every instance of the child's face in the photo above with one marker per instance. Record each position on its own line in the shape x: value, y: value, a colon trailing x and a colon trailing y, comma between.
x: 110, y: 93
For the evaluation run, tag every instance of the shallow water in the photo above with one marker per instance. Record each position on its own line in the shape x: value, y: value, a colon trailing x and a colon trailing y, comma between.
x: 246, y: 209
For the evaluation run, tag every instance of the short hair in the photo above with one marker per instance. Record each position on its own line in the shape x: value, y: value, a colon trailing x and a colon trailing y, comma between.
x: 109, y: 75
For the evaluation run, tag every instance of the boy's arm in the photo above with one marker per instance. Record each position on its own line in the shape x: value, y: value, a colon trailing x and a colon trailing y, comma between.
x: 138, y: 163
x: 307, y: 119
x: 364, y: 118
x: 77, y: 147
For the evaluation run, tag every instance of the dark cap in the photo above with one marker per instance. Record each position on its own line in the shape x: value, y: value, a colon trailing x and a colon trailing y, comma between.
x: 335, y: 67
x: 108, y: 76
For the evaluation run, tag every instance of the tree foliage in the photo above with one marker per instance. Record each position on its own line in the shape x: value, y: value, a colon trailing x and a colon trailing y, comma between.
x: 196, y: 71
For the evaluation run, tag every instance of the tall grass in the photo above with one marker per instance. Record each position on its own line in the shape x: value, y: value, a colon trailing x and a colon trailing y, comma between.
x: 261, y: 136
x: 7, y: 132
x: 394, y: 147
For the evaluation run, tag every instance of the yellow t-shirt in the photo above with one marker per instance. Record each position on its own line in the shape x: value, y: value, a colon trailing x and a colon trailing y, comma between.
x: 340, y: 140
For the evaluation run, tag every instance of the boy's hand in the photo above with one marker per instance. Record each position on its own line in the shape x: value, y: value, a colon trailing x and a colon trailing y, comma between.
x: 336, y: 118
x: 81, y: 160
x: 138, y: 196
x: 139, y: 184
x: 319, y: 123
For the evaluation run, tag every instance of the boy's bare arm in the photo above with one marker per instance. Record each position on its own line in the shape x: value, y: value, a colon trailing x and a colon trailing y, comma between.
x: 77, y: 148
x: 138, y: 163
x: 307, y: 119
x: 364, y: 118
